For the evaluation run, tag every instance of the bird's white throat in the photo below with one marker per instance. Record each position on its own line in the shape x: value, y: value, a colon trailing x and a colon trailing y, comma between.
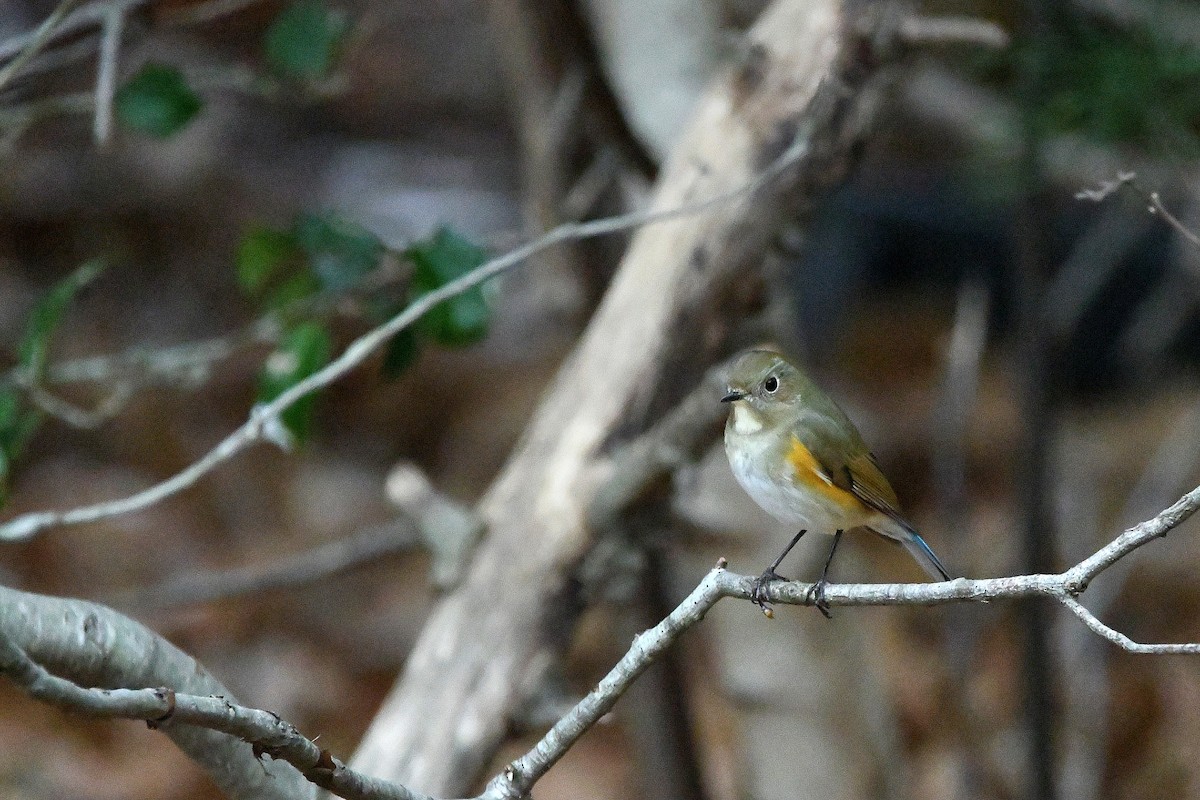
x: 745, y: 421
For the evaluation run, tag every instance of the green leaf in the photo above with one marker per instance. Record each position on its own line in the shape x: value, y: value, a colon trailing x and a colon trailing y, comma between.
x: 46, y: 316
x: 157, y: 101
x: 17, y: 423
x: 5, y: 478
x: 303, y: 41
x: 293, y: 289
x: 446, y: 256
x: 17, y: 426
x: 261, y: 254
x: 401, y: 352
x: 303, y: 350
x: 339, y: 252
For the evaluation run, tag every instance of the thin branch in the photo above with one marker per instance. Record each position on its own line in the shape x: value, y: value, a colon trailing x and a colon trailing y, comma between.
x: 199, y: 13
x: 262, y: 417
x: 106, y: 73
x: 922, y: 30
x: 92, y: 15
x: 677, y: 439
x: 82, y: 418
x: 1155, y: 204
x: 1120, y: 639
x: 518, y: 778
x: 1082, y: 574
x: 272, y: 736
x: 366, y: 546
x: 36, y: 42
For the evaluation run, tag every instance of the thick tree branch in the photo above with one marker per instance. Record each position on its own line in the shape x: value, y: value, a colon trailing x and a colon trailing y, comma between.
x: 809, y: 83
x: 91, y: 645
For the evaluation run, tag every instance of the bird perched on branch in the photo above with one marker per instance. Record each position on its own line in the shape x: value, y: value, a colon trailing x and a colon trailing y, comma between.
x: 800, y: 457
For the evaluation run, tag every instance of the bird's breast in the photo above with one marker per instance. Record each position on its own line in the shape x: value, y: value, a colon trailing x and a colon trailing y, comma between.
x: 789, y: 489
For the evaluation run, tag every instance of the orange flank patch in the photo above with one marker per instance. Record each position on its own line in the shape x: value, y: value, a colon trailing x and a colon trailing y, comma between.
x: 811, y: 475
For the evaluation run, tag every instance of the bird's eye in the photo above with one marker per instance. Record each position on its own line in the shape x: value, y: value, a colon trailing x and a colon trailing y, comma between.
x: 771, y: 384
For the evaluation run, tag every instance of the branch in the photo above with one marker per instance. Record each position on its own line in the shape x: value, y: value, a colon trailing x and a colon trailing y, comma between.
x: 165, y: 708
x: 678, y: 439
x: 106, y: 72
x: 922, y: 30
x: 262, y: 417
x: 1129, y: 179
x: 86, y: 643
x: 93, y: 14
x: 366, y: 546
x: 447, y: 529
x: 35, y: 42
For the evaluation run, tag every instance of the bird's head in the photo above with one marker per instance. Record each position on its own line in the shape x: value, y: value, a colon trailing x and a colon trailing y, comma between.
x: 765, y: 388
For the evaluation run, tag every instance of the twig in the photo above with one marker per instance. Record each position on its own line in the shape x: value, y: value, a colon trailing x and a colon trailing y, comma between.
x: 184, y: 364
x: 106, y: 73
x: 1120, y: 639
x: 924, y: 30
x: 92, y: 15
x: 1155, y: 203
x: 199, y: 13
x: 675, y: 440
x: 36, y: 42
x: 73, y: 415
x: 449, y: 531
x: 518, y: 778
x: 261, y: 417
x: 366, y: 546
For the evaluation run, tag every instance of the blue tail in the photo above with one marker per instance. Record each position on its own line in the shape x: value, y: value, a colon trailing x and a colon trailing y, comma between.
x: 925, y: 556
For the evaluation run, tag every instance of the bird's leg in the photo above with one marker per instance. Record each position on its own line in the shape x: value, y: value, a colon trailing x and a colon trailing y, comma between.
x: 756, y: 592
x: 817, y: 592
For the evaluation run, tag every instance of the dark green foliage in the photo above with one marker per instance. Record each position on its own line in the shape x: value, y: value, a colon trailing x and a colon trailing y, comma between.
x: 442, y: 258
x: 1112, y: 85
x: 401, y: 352
x: 304, y: 40
x: 156, y: 101
x: 304, y: 349
x: 339, y: 252
x: 18, y: 420
x: 262, y: 254
x: 317, y: 252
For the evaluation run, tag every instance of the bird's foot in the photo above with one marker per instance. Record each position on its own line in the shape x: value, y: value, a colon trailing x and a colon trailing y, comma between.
x: 816, y: 596
x: 758, y: 596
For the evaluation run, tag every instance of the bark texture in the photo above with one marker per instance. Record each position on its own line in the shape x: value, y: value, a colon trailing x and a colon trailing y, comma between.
x: 807, y: 70
x: 95, y: 647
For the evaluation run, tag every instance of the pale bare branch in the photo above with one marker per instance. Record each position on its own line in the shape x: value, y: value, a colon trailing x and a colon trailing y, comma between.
x: 275, y: 737
x: 262, y: 417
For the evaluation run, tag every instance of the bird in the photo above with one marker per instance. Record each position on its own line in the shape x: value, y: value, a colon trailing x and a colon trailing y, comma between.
x: 798, y: 455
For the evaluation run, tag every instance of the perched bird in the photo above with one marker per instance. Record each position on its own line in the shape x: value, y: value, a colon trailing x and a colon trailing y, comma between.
x: 800, y: 457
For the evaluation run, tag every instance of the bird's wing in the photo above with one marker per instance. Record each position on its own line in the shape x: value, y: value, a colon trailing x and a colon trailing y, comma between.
x: 849, y: 465
x: 869, y: 485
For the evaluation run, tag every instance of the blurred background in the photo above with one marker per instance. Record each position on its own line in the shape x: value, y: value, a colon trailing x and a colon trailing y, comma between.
x: 263, y: 181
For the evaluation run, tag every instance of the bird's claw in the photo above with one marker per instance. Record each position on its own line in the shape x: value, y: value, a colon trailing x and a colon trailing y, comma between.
x: 816, y: 596
x: 758, y: 596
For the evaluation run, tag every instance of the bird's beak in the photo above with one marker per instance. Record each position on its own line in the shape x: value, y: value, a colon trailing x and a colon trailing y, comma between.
x: 733, y: 396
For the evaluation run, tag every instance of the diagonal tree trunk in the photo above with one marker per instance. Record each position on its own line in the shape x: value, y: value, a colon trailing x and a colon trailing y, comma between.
x: 808, y: 70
